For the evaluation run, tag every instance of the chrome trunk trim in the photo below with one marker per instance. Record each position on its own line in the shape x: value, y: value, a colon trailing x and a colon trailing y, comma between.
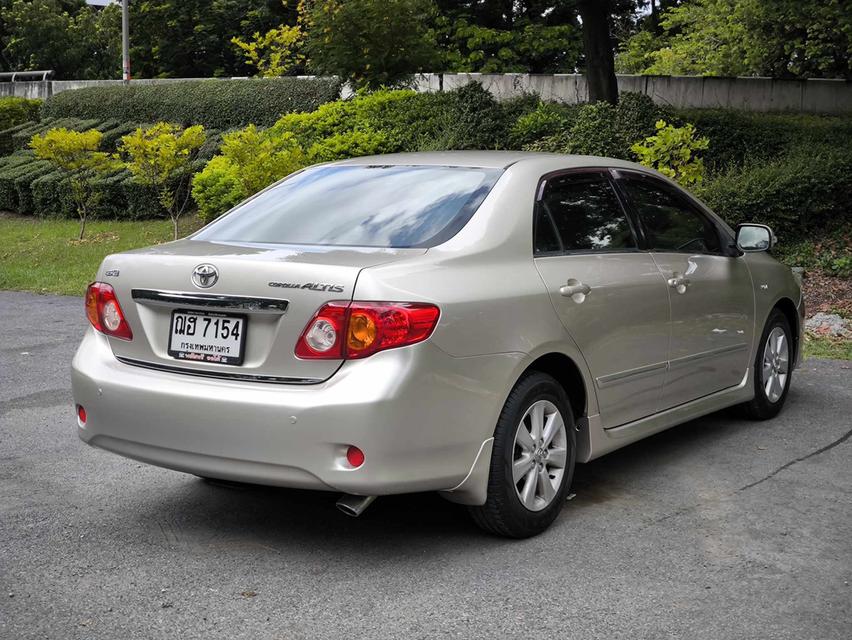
x: 209, y: 301
x: 220, y: 375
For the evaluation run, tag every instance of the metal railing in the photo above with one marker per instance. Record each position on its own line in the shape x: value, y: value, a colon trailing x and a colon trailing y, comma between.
x: 37, y: 76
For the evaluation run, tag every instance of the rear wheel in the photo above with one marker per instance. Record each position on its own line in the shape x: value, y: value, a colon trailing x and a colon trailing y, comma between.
x: 772, y: 369
x: 532, y: 463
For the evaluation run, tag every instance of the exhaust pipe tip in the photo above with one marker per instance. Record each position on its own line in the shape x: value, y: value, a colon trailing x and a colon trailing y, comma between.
x: 354, y: 506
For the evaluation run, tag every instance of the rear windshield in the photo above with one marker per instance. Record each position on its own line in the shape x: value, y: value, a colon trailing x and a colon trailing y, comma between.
x: 369, y: 206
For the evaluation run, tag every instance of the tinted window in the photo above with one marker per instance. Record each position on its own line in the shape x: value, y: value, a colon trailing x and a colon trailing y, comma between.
x: 374, y: 206
x: 586, y: 214
x: 670, y: 222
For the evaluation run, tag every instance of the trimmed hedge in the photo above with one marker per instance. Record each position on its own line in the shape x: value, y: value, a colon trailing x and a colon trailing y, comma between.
x: 737, y: 137
x: 17, y: 110
x: 20, y: 176
x: 217, y: 104
x: 796, y: 193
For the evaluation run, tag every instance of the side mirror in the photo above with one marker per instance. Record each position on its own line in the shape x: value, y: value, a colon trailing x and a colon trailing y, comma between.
x: 755, y: 237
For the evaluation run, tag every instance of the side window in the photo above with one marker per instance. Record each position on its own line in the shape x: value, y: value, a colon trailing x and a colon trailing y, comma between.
x: 585, y: 213
x: 670, y: 222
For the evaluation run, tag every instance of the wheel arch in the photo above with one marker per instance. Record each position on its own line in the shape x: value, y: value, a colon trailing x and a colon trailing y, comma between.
x: 788, y: 308
x: 569, y: 376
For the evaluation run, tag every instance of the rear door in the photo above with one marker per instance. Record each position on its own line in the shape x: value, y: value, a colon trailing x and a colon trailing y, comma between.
x: 709, y: 288
x: 609, y: 294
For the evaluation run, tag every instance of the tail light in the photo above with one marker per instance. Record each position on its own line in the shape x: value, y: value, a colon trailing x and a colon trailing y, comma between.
x: 349, y: 330
x: 105, y: 313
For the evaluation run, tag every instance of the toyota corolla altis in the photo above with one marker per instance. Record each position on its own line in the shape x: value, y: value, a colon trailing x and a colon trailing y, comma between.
x: 472, y: 323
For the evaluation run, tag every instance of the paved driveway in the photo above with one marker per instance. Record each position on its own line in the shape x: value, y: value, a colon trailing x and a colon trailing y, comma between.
x: 720, y: 528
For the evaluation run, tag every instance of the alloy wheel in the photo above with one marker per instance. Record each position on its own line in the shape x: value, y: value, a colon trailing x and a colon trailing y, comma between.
x: 776, y: 362
x: 540, y: 455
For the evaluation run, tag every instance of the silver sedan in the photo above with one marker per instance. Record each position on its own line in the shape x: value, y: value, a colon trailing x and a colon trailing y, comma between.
x: 473, y: 323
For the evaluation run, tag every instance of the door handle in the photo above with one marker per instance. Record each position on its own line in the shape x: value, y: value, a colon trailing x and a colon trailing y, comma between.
x: 574, y: 288
x: 678, y: 283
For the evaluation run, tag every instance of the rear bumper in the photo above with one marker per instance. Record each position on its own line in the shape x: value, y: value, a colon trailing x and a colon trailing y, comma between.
x: 420, y: 416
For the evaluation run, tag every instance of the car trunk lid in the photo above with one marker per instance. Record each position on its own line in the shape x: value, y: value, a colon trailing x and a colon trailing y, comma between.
x: 276, y: 289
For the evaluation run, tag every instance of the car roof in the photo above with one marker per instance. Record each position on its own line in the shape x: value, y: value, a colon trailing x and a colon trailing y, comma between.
x: 492, y: 160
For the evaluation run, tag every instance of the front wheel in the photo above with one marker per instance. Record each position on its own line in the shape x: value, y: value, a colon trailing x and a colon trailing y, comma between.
x: 532, y: 463
x: 772, y: 369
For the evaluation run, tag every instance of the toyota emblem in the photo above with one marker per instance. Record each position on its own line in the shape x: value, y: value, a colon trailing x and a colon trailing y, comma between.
x: 205, y: 276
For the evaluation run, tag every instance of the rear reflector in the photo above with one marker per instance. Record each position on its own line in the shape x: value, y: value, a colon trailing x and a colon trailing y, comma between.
x: 81, y: 415
x: 349, y: 330
x: 105, y: 313
x: 354, y: 456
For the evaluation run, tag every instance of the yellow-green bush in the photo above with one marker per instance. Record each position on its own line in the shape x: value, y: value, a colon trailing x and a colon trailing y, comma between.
x: 674, y: 152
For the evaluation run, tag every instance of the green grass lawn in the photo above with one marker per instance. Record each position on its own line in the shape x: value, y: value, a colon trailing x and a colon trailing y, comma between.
x: 815, y: 347
x: 45, y: 256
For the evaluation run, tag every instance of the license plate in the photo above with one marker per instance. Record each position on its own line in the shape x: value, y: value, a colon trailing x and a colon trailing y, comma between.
x: 204, y: 336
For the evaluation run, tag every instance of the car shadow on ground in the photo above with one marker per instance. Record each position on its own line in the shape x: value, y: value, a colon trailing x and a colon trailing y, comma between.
x: 203, y: 513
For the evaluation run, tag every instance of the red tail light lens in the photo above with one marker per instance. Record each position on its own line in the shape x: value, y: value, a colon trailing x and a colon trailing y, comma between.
x: 321, y: 339
x: 105, y: 313
x: 342, y: 330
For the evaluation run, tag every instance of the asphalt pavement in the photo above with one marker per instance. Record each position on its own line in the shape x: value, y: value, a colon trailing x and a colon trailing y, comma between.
x: 719, y: 528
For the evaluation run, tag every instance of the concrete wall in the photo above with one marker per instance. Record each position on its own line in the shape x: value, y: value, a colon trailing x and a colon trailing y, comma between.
x: 752, y: 94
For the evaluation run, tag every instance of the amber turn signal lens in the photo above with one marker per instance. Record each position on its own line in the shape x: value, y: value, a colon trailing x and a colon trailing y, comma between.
x: 362, y: 331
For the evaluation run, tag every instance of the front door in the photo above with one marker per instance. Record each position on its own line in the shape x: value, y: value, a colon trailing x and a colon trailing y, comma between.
x: 710, y: 290
x: 609, y: 295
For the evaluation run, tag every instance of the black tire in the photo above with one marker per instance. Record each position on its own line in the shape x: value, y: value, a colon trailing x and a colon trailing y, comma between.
x: 761, y: 407
x: 503, y: 513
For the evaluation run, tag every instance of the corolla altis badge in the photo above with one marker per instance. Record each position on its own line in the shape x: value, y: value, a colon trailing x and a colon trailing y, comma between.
x: 313, y: 286
x: 205, y: 276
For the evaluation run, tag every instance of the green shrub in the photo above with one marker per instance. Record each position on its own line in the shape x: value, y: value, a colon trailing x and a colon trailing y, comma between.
x: 15, y: 111
x: 830, y: 251
x: 6, y: 136
x: 674, y: 152
x: 601, y: 129
x: 797, y: 193
x: 113, y: 134
x: 541, y: 122
x: 21, y: 139
x: 10, y: 177
x: 251, y: 159
x: 737, y: 137
x: 217, y: 104
x: 217, y: 188
x: 50, y: 194
x: 350, y: 144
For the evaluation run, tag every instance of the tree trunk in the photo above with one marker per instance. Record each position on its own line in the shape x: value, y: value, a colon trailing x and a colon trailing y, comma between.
x: 597, y: 43
x: 82, y: 226
x: 175, y: 225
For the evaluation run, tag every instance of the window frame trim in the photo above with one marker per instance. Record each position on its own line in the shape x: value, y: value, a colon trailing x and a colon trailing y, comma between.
x: 621, y: 174
x: 606, y: 174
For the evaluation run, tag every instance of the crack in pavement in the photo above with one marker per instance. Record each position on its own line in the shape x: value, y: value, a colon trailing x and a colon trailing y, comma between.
x: 831, y: 445
x: 693, y: 507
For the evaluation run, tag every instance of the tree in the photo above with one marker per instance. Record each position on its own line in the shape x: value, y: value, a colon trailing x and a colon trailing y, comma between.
x: 371, y: 43
x: 160, y: 157
x: 191, y: 38
x: 275, y: 52
x: 597, y: 43
x: 68, y: 36
x: 784, y: 38
x: 76, y: 155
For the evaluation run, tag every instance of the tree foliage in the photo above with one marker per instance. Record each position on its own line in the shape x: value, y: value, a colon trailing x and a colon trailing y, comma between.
x: 783, y: 38
x: 273, y: 53
x: 76, y: 155
x: 160, y: 158
x: 68, y: 36
x: 371, y: 43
